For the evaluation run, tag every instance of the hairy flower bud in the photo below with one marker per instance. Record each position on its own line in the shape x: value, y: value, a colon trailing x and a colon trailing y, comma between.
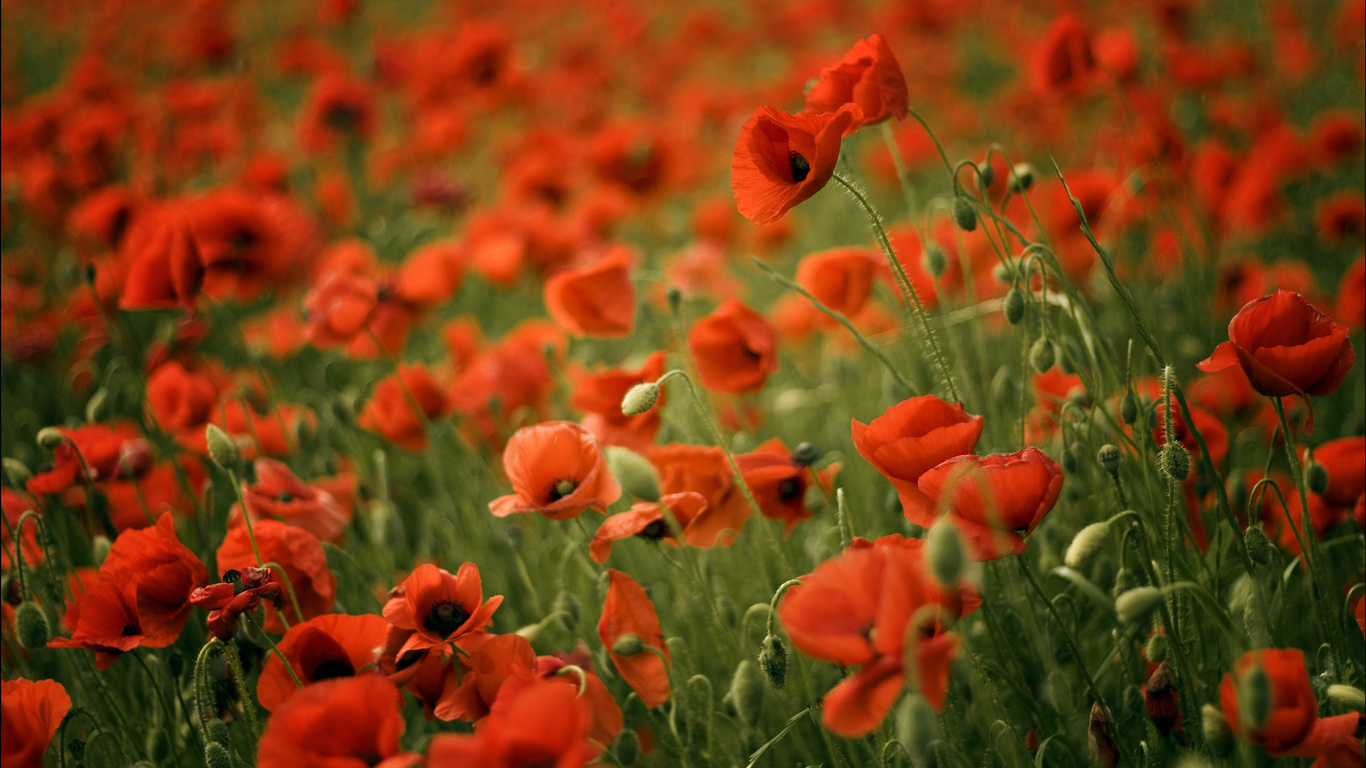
x: 16, y: 472
x: 916, y: 726
x: 805, y: 454
x: 1014, y: 306
x: 1316, y: 477
x: 627, y: 747
x: 217, y: 756
x: 1109, y: 456
x: 31, y: 626
x: 747, y: 692
x: 1156, y: 649
x: 1134, y: 605
x: 628, y: 645
x: 1217, y: 734
x: 945, y: 552
x: 1260, y: 549
x: 636, y: 474
x: 1086, y: 544
x: 773, y: 661
x: 222, y: 449
x: 1128, y: 408
x: 640, y: 398
x: 99, y: 548
x: 218, y: 732
x: 1173, y: 462
x: 964, y: 214
x: 935, y: 260
x: 1347, y: 696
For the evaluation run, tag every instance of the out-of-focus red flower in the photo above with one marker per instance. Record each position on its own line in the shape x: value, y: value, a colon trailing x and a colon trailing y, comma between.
x: 734, y: 348
x: 1341, y: 217
x: 628, y: 611
x: 440, y: 608
x: 869, y: 77
x: 299, y: 554
x: 606, y: 714
x: 241, y: 246
x: 703, y: 469
x: 1338, y: 136
x: 182, y: 399
x: 280, y: 495
x: 338, y: 108
x: 842, y: 278
x: 557, y: 469
x: 781, y: 159
x: 30, y: 712
x: 353, y: 722
x: 1351, y: 299
x: 1063, y: 63
x: 164, y: 266
x: 239, y: 592
x: 323, y: 648
x: 1345, y: 460
x: 994, y: 499
x: 647, y: 520
x: 339, y: 307
x: 14, y: 504
x: 1335, y: 741
x: 600, y: 394
x: 779, y: 483
x: 534, y: 722
x: 595, y: 300
x: 911, y: 438
x: 432, y: 274
x: 1293, y: 709
x: 390, y: 410
x: 99, y: 446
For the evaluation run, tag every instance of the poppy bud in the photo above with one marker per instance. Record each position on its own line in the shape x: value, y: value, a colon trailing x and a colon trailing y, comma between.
x: 964, y: 214
x: 640, y: 398
x: 1316, y: 477
x: 1159, y: 699
x: 1347, y: 696
x: 568, y: 603
x: 77, y: 748
x: 773, y: 661
x: 675, y: 298
x: 1215, y: 728
x: 17, y: 472
x: 916, y: 726
x: 217, y: 756
x: 344, y: 411
x: 95, y: 406
x: 627, y: 748
x: 636, y: 474
x: 99, y: 548
x: 31, y: 626
x: 1085, y: 544
x: 1042, y: 355
x: 1014, y: 306
x: 935, y: 260
x: 50, y: 437
x: 1125, y: 580
x: 805, y: 454
x: 628, y: 645
x: 218, y: 732
x: 1128, y: 408
x: 1260, y: 550
x: 1101, y: 740
x: 1071, y: 459
x: 1108, y: 456
x: 1157, y: 648
x: 1134, y: 605
x: 945, y: 552
x: 1173, y: 462
x: 1255, y: 698
x: 1021, y: 177
x: 222, y: 449
x: 747, y: 692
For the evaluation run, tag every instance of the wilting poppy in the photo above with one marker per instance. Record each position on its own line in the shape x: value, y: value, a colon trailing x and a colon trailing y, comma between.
x: 647, y: 520
x: 1292, y: 710
x: 994, y: 499
x: 734, y: 348
x: 163, y: 572
x: 439, y: 607
x: 596, y: 300
x: 911, y: 438
x: 628, y: 611
x: 280, y: 495
x: 599, y: 396
x: 30, y: 712
x: 339, y: 307
x: 781, y: 159
x: 869, y: 77
x: 534, y: 722
x: 557, y: 469
x: 299, y: 554
x: 352, y: 722
x: 390, y: 410
x: 322, y: 648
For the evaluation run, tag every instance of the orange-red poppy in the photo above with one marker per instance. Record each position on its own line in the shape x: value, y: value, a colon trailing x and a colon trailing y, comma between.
x: 30, y: 712
x: 279, y: 494
x: 162, y: 570
x: 339, y: 307
x: 781, y: 160
x: 439, y: 607
x: 868, y: 76
x: 734, y: 349
x: 299, y: 554
x: 1293, y: 708
x: 533, y: 723
x: 628, y: 611
x: 390, y: 410
x: 351, y: 722
x: 557, y: 469
x: 703, y: 469
x: 842, y: 278
x: 995, y: 499
x: 779, y: 483
x: 595, y: 300
x: 647, y: 520
x: 323, y: 648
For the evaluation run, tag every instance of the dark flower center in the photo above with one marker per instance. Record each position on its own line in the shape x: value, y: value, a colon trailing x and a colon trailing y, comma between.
x: 285, y: 498
x: 332, y: 668
x: 655, y: 530
x: 445, y: 617
x: 130, y: 630
x: 562, y: 488
x: 789, y: 489
x: 800, y: 168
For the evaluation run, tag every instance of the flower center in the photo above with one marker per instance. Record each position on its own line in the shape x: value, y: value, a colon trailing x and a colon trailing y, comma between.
x: 333, y: 668
x: 129, y: 630
x: 445, y: 617
x: 655, y: 530
x: 562, y: 488
x: 789, y: 489
x: 800, y: 168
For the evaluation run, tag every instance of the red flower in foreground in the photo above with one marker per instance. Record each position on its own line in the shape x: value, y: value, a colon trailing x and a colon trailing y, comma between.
x: 556, y: 469
x: 438, y: 607
x: 353, y: 722
x: 104, y: 619
x: 390, y: 410
x: 29, y: 715
x: 629, y: 612
x: 301, y: 556
x: 1293, y: 708
x: 781, y: 159
x: 734, y: 348
x: 994, y: 499
x: 324, y: 647
x: 534, y: 722
x: 279, y: 495
x: 162, y: 570
x: 868, y: 77
x: 911, y: 438
x: 596, y: 300
x: 647, y: 520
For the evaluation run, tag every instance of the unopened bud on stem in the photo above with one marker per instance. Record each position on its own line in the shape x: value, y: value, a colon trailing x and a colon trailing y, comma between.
x: 640, y: 398
x: 1086, y: 544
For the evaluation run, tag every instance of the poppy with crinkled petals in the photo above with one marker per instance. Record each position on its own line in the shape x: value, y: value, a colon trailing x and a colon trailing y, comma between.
x: 493, y: 659
x: 628, y: 611
x: 323, y: 648
x: 909, y: 439
x: 30, y: 712
x: 534, y: 722
x: 597, y: 300
x: 279, y: 494
x: 104, y: 619
x: 735, y: 349
x: 646, y: 519
x: 869, y: 77
x: 599, y: 396
x: 1293, y: 708
x: 556, y: 469
x: 301, y: 556
x: 163, y: 571
x: 781, y: 159
x: 440, y: 607
x: 352, y: 722
x: 239, y: 592
x: 995, y: 499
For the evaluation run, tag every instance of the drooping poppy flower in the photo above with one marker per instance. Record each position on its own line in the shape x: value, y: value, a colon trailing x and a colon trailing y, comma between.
x: 390, y: 410
x: 994, y: 499
x: 703, y: 469
x: 239, y: 592
x: 339, y: 307
x: 280, y: 495
x: 1293, y: 708
x: 628, y: 611
x: 352, y: 722
x: 1286, y: 346
x: 842, y: 278
x: 781, y: 159
x: 534, y: 722
x: 558, y: 470
x: 299, y: 554
x: 325, y: 647
x: 734, y: 349
x: 911, y: 438
x: 440, y: 608
x: 599, y: 396
x: 30, y: 712
x: 868, y: 76
x: 104, y: 619
x: 779, y: 483
x: 596, y: 300
x: 162, y: 570
x: 647, y: 520
x: 1345, y: 460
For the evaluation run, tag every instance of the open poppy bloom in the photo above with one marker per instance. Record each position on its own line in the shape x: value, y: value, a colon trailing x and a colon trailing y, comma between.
x: 239, y: 592
x: 162, y: 570
x: 556, y: 469
x: 1293, y: 708
x: 390, y: 410
x: 869, y: 77
x: 104, y: 619
x: 440, y: 608
x: 534, y: 722
x: 627, y: 612
x: 647, y: 520
x: 911, y: 438
x: 597, y: 300
x: 781, y: 160
x: 339, y: 307
x: 779, y: 483
x: 492, y: 660
x: 351, y: 722
x: 994, y: 499
x: 606, y: 714
x: 99, y: 446
x: 30, y: 712
x: 323, y: 648
x: 734, y: 348
x: 280, y: 495
x: 299, y: 554
x: 600, y: 394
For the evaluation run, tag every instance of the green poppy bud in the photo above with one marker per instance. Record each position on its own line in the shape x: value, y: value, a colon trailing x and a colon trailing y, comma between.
x: 1134, y: 605
x: 964, y: 214
x: 1218, y: 735
x: 1014, y: 306
x: 1042, y: 355
x: 747, y: 692
x: 945, y: 553
x: 31, y: 626
x: 217, y: 756
x: 1316, y: 477
x: 1086, y: 544
x: 1128, y: 408
x: 640, y: 398
x: 1173, y: 462
x: 50, y: 437
x: 222, y: 449
x: 628, y: 645
x: 635, y: 473
x: 1259, y: 548
x: 773, y: 661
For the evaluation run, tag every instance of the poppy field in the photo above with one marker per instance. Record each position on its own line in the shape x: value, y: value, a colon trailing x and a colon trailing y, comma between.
x: 843, y: 383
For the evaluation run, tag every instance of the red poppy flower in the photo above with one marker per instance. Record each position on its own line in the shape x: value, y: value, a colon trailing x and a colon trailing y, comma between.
x: 646, y: 519
x: 1286, y: 346
x: 100, y: 446
x: 299, y: 554
x: 734, y: 348
x: 352, y: 722
x: 703, y: 469
x: 241, y: 245
x: 1293, y: 708
x: 182, y: 399
x: 390, y: 410
x: 1336, y: 741
x: 778, y: 483
x: 432, y: 274
x: 628, y: 611
x: 993, y: 499
x: 596, y: 300
x: 163, y: 572
x: 782, y: 159
x: 1345, y: 460
x: 239, y: 592
x: 440, y: 608
x: 339, y: 107
x: 1341, y: 217
x: 164, y: 269
x: 1063, y: 63
x: 606, y: 714
x: 339, y: 307
x: 600, y: 394
x: 279, y: 495
x: 1351, y: 299
x: 30, y: 712
x: 869, y: 77
x: 533, y: 723
x: 557, y: 469
x: 324, y: 647
x: 911, y: 438
x: 104, y: 619
x: 842, y: 278
x: 493, y: 659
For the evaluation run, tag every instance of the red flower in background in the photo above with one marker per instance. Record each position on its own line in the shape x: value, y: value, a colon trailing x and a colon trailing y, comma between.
x: 323, y: 648
x: 162, y: 570
x: 338, y: 108
x: 341, y: 306
x: 779, y: 483
x: 390, y: 410
x: 98, y: 446
x: 1063, y: 62
x: 628, y: 611
x: 299, y: 554
x: 910, y: 439
x: 647, y: 520
x: 734, y: 349
x: 353, y: 722
x: 241, y: 246
x: 994, y: 499
x: 1293, y: 709
x: 30, y: 712
x: 781, y: 159
x: 703, y: 469
x: 842, y: 278
x: 1345, y: 460
x: 868, y: 77
x: 600, y: 394
x: 1351, y: 298
x: 557, y: 469
x: 440, y: 608
x: 279, y: 495
x: 597, y: 300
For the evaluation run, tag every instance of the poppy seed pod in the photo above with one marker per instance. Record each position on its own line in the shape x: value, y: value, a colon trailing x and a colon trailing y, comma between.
x: 1173, y: 462
x: 222, y: 449
x: 1086, y: 544
x: 773, y: 661
x: 747, y: 692
x: 640, y: 398
x: 1135, y: 604
x: 1042, y: 355
x: 31, y: 626
x: 964, y: 214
